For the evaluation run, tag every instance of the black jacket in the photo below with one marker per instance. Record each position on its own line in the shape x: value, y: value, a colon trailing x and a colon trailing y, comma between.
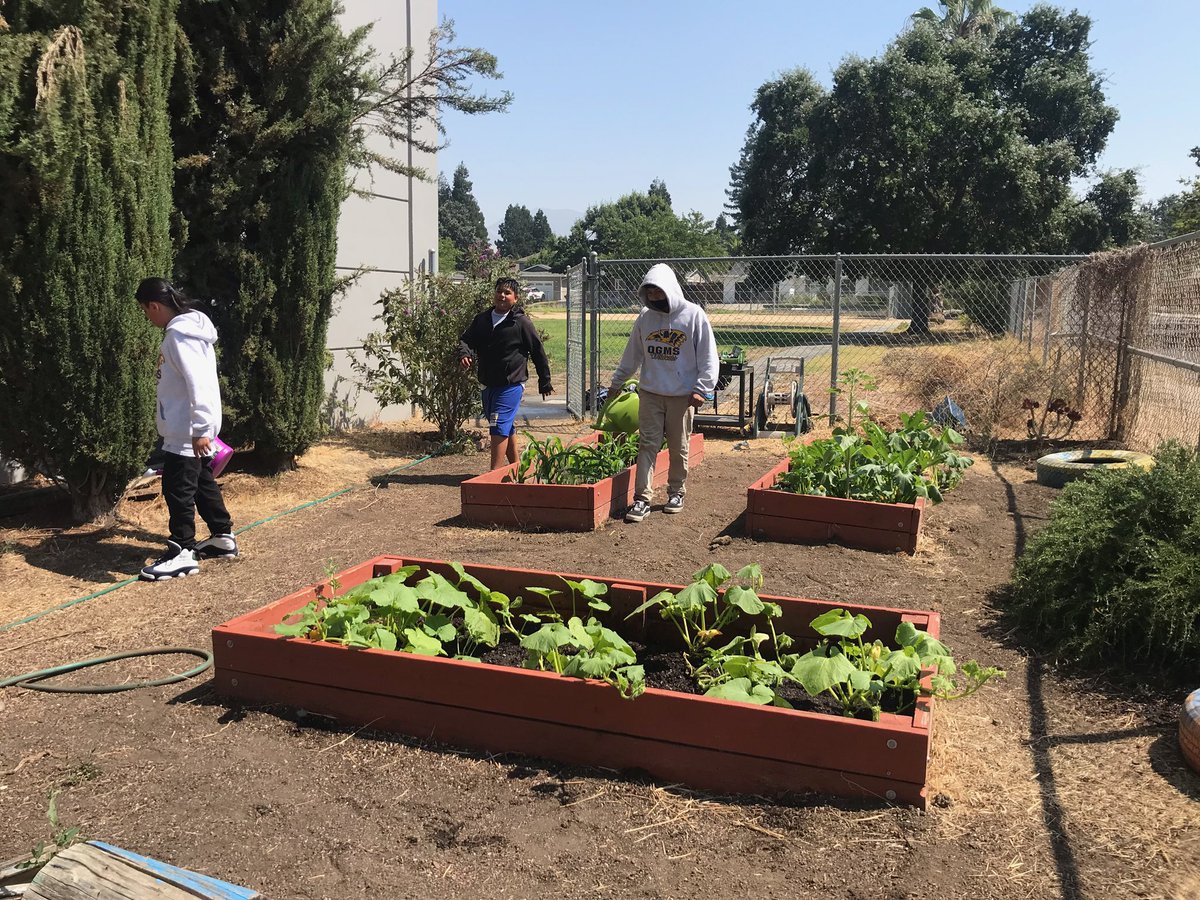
x: 501, y: 354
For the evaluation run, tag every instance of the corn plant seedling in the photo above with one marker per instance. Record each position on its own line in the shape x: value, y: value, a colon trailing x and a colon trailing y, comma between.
x: 550, y: 461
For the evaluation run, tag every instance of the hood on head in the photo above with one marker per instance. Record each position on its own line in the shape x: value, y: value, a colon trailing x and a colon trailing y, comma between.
x: 194, y: 324
x: 663, y: 276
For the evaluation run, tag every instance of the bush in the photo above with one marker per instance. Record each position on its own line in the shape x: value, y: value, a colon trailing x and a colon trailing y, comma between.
x: 1114, y: 578
x: 414, y: 359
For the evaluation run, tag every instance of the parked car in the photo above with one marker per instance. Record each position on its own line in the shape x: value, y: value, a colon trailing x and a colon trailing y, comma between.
x: 535, y: 294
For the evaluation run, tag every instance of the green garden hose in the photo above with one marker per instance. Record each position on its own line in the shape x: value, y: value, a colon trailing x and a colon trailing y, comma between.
x: 128, y: 581
x: 31, y: 680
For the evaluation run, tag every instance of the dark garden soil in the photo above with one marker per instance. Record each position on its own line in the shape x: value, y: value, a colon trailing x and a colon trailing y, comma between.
x: 1042, y: 785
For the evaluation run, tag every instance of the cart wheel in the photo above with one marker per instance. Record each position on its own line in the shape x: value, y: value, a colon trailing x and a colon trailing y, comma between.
x: 803, y: 415
x: 760, y: 415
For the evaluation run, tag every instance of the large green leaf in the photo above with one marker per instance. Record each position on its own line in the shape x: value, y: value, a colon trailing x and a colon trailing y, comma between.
x: 481, y: 627
x: 422, y: 644
x: 840, y: 623
x: 745, y: 600
x: 817, y: 673
x: 742, y: 690
x: 440, y: 592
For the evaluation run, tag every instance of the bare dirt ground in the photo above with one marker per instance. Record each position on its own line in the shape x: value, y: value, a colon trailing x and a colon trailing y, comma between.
x: 1044, y: 785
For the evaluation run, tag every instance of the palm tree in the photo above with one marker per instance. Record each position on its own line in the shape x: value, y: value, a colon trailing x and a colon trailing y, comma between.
x: 966, y: 19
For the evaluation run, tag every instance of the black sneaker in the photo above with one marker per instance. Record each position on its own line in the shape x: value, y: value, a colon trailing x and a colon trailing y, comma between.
x: 219, y: 546
x: 175, y: 563
x: 638, y: 511
x: 674, y: 504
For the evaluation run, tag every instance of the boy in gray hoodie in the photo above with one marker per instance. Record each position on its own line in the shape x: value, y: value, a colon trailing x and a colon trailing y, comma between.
x: 188, y: 418
x: 672, y: 343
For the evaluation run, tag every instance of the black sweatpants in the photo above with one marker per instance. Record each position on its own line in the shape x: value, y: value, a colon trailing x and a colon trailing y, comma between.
x: 188, y: 485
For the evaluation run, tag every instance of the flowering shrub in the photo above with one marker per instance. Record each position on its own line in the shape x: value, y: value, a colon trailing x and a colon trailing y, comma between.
x: 413, y: 359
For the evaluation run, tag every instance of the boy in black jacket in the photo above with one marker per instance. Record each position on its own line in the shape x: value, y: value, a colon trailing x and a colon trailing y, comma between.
x: 503, y: 339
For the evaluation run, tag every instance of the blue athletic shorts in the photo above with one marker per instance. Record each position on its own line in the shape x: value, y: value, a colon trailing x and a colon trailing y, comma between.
x: 500, y: 406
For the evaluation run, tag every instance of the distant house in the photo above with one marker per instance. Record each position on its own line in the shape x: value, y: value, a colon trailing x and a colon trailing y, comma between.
x: 540, y: 278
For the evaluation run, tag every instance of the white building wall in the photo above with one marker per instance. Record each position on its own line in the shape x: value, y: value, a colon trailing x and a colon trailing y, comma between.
x: 393, y: 232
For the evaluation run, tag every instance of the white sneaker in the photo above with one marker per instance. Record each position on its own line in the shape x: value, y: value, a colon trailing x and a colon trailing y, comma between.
x: 674, y: 504
x: 175, y: 563
x: 218, y: 546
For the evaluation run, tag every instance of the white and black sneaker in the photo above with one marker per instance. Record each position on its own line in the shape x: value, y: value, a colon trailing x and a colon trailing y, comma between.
x: 175, y: 563
x: 219, y: 546
x: 638, y: 511
x: 674, y: 504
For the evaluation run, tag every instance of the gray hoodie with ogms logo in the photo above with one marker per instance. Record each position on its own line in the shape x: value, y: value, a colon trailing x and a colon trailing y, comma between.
x: 189, y: 398
x: 675, y: 350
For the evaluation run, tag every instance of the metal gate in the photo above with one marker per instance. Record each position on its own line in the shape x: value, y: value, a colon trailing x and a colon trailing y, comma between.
x: 576, y: 327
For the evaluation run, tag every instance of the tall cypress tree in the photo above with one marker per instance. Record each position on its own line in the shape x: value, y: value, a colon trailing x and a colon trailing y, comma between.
x: 85, y: 198
x: 262, y: 134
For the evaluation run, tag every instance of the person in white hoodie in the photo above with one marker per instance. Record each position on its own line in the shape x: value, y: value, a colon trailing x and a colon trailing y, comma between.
x: 188, y: 419
x: 672, y: 343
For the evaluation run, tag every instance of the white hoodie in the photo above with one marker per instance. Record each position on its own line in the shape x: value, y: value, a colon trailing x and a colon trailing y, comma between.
x: 189, y: 398
x: 676, y: 349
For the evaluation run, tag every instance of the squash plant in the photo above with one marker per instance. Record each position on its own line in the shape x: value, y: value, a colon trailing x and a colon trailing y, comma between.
x: 858, y: 674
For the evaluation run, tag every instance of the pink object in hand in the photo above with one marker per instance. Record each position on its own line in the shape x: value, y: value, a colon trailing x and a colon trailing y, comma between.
x: 221, y: 455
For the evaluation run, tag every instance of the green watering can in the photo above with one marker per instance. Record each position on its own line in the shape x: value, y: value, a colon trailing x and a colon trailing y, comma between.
x: 620, y: 412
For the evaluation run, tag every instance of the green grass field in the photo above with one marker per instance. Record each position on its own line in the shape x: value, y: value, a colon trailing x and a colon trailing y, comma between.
x: 615, y: 333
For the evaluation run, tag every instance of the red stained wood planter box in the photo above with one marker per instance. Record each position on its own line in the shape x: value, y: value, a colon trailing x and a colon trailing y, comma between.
x: 710, y: 744
x: 773, y: 515
x: 495, y: 498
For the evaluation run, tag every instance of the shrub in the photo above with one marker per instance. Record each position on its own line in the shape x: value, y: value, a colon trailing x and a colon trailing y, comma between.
x: 414, y: 359
x: 1114, y: 577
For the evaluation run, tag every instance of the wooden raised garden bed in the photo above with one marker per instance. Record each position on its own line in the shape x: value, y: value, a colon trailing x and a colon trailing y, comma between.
x: 708, y: 743
x: 495, y: 498
x: 774, y: 515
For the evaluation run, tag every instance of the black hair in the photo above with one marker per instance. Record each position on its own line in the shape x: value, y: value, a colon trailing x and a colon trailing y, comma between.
x: 159, y: 290
x: 509, y: 283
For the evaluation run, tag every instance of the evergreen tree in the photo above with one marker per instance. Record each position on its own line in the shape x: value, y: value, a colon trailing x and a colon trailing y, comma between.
x: 517, y: 236
x: 543, y: 234
x: 459, y: 217
x: 85, y: 200
x: 263, y: 140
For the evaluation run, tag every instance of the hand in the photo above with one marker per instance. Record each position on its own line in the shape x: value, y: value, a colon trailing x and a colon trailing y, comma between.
x: 545, y: 389
x: 202, y: 446
x: 466, y: 362
x: 697, y: 400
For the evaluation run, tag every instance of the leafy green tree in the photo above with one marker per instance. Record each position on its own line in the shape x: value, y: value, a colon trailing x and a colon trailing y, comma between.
x: 1185, y: 212
x: 1110, y: 215
x: 447, y: 255
x: 459, y: 217
x: 637, y: 226
x: 85, y: 201
x: 937, y: 146
x: 658, y: 188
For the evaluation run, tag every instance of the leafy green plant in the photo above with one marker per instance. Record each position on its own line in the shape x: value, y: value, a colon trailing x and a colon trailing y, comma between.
x: 702, y: 609
x: 1111, y: 580
x: 870, y: 463
x: 549, y: 461
x: 586, y: 650
x: 858, y: 674
x: 433, y: 617
x: 60, y: 838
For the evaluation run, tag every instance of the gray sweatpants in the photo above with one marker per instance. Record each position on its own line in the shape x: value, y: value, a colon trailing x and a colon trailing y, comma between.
x: 659, y: 414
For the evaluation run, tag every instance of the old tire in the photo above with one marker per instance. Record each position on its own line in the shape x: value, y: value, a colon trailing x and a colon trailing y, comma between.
x: 1057, y: 469
x: 1189, y: 731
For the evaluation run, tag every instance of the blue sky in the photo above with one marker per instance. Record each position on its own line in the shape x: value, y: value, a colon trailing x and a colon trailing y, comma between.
x: 609, y: 96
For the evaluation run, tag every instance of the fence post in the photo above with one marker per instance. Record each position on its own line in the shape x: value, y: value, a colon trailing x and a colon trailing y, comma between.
x: 835, y: 338
x: 591, y: 303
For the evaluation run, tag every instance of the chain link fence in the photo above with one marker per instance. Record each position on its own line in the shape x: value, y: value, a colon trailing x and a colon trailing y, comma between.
x: 1105, y: 347
x: 1132, y: 317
